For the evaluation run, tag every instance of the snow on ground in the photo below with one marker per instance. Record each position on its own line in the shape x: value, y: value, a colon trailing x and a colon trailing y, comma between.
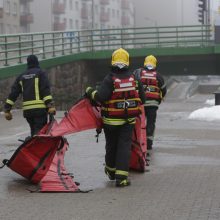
x: 211, y: 113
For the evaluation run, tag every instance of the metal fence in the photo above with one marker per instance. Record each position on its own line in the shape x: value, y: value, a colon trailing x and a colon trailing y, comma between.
x: 15, y: 48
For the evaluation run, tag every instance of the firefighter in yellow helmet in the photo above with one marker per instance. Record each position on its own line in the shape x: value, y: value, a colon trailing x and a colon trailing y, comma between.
x: 155, y: 90
x: 120, y: 95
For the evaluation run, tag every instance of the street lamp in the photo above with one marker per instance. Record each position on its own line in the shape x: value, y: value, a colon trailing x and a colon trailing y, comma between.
x: 92, y: 14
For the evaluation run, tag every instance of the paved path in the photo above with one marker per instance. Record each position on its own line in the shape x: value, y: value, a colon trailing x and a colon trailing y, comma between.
x: 183, y: 182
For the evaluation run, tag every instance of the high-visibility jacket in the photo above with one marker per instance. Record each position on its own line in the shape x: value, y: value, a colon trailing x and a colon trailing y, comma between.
x: 154, y: 86
x: 106, y: 92
x: 125, y: 101
x: 150, y: 83
x: 34, y: 86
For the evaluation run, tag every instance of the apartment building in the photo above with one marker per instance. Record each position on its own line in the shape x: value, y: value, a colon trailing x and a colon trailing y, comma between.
x: 59, y: 15
x: 26, y: 17
x: 9, y: 16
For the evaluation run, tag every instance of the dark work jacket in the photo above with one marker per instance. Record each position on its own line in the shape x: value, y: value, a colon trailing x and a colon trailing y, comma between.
x: 34, y: 86
x: 106, y: 87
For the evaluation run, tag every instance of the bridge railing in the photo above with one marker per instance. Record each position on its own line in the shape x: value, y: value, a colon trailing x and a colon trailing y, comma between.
x: 15, y: 48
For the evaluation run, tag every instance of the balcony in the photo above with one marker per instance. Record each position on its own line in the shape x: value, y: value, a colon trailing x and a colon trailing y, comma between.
x: 26, y: 19
x: 125, y: 21
x: 104, y: 16
x: 1, y: 12
x: 104, y: 2
x: 84, y: 13
x: 58, y: 8
x: 125, y: 4
x: 58, y: 26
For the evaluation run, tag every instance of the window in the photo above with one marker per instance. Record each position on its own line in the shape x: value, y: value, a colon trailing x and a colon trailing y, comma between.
x: 7, y: 7
x: 1, y: 29
x: 64, y: 1
x: 8, y: 31
x: 113, y: 13
x: 14, y: 9
x: 77, y: 5
x: 77, y: 24
x: 117, y: 13
x: 71, y: 23
x: 15, y: 29
x: 96, y: 9
x: 71, y: 4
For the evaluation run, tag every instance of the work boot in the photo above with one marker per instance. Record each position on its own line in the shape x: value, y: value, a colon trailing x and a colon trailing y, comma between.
x: 122, y: 183
x: 110, y: 174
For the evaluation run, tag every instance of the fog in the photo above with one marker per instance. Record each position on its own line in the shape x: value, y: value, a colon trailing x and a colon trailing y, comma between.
x: 60, y: 15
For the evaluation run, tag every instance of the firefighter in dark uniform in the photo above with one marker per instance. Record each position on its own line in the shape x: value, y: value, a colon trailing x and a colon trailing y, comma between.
x: 34, y: 86
x: 121, y: 96
x: 155, y: 90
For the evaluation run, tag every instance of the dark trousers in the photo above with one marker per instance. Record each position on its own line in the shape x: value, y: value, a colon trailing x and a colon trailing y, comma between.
x: 118, y: 147
x: 36, y: 123
x: 151, y: 115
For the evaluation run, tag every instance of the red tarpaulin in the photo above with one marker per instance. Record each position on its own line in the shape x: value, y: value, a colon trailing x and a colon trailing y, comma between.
x: 139, y: 144
x: 33, y: 158
x: 82, y: 116
x: 57, y: 179
x: 41, y: 158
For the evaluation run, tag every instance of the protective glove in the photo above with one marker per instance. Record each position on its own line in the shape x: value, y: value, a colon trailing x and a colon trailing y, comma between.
x: 89, y: 91
x: 8, y: 115
x: 52, y: 110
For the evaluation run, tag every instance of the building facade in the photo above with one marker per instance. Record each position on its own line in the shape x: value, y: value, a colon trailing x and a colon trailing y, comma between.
x: 60, y: 15
x: 9, y: 16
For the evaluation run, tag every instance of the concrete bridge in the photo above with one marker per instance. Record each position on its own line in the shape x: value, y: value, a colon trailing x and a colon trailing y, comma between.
x: 75, y: 59
x: 180, y: 49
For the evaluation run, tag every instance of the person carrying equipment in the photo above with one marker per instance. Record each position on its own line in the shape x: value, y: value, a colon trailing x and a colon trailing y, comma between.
x: 34, y: 86
x: 120, y: 95
x: 155, y: 90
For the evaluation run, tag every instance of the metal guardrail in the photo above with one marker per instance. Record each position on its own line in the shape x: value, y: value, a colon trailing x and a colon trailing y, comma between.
x: 15, y: 48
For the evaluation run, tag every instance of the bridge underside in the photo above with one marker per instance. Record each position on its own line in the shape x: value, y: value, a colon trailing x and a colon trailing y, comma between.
x: 171, y: 61
x: 168, y: 65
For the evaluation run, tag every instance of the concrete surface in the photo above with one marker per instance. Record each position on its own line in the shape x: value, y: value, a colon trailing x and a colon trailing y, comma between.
x: 183, y: 182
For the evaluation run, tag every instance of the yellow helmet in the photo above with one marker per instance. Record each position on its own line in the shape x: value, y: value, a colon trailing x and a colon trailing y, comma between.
x: 120, y: 58
x: 150, y: 61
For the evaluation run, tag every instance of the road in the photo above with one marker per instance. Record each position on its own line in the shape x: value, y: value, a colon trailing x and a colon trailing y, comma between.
x: 182, y: 182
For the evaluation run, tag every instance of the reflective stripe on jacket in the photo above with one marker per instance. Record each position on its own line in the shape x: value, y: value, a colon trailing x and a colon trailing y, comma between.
x: 34, y: 87
x: 124, y: 102
x: 150, y: 83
